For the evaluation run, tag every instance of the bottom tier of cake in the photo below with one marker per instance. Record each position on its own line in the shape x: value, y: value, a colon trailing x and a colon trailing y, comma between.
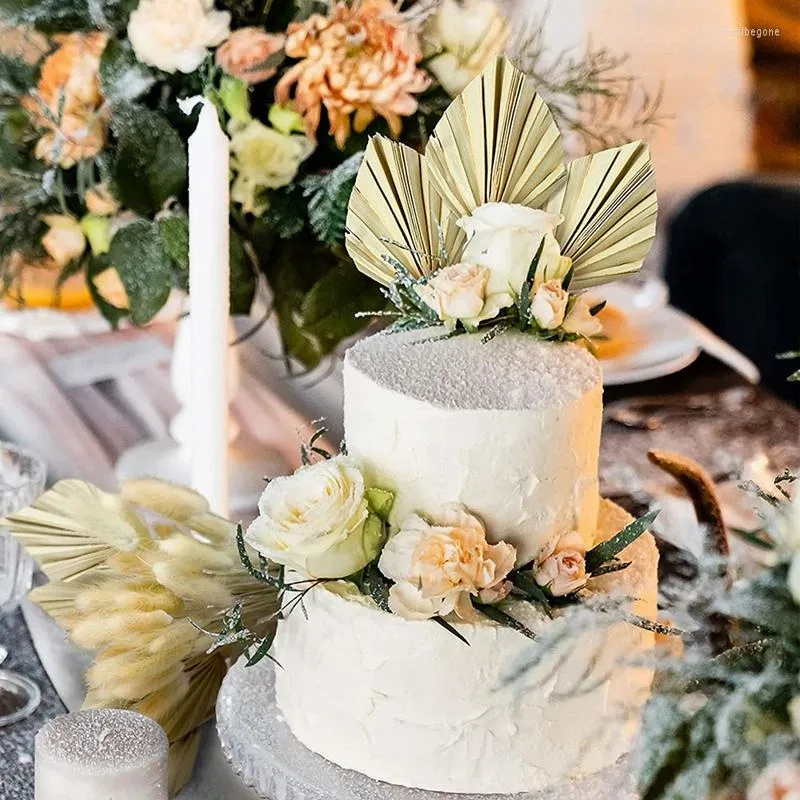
x: 409, y: 703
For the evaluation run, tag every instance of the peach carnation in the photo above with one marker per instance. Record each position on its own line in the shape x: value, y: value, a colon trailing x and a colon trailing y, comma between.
x: 359, y: 60
x: 247, y: 53
x: 439, y: 567
x: 69, y: 104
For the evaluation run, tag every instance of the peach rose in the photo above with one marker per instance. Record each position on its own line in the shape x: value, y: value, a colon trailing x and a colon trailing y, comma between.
x: 247, y: 53
x: 65, y: 240
x: 580, y: 320
x: 549, y: 305
x: 561, y: 567
x: 439, y: 567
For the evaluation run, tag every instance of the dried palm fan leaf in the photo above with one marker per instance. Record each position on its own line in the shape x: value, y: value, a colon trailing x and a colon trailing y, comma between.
x: 396, y: 216
x: 74, y: 528
x: 609, y: 206
x: 496, y: 143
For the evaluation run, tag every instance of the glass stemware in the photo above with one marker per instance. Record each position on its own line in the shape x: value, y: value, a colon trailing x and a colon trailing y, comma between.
x: 22, y: 479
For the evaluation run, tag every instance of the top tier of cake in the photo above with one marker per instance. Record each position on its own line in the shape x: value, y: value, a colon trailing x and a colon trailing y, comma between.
x: 509, y: 427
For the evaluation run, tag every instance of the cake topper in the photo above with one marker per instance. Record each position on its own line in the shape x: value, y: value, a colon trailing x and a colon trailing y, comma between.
x: 490, y: 228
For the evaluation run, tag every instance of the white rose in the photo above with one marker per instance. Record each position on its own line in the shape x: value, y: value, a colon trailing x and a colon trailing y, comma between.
x: 317, y: 521
x: 580, y: 320
x: 467, y: 36
x: 561, y: 566
x: 549, y: 305
x: 778, y: 781
x: 438, y: 568
x: 505, y: 238
x: 65, y: 240
x: 175, y: 35
x: 264, y: 158
x: 457, y: 292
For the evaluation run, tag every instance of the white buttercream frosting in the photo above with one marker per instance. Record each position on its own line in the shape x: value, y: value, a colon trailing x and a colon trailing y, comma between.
x: 408, y: 703
x: 509, y: 427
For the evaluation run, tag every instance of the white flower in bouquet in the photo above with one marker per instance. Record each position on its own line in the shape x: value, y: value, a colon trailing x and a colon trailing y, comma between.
x: 264, y: 158
x: 778, y: 781
x: 504, y: 238
x: 466, y: 35
x: 549, y: 304
x: 439, y: 567
x: 317, y: 521
x: 65, y: 241
x: 175, y: 35
x: 561, y: 566
x: 579, y: 318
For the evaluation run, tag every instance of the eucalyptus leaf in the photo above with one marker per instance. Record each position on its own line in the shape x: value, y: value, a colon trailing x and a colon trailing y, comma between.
x: 150, y: 163
x: 328, y: 197
x: 174, y: 230
x: 17, y: 77
x: 611, y: 548
x: 144, y: 269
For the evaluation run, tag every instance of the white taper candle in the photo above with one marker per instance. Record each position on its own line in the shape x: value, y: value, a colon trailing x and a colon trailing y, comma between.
x: 209, y: 275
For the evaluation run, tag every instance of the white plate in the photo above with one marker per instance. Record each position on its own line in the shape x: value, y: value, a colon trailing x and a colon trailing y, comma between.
x: 668, y: 341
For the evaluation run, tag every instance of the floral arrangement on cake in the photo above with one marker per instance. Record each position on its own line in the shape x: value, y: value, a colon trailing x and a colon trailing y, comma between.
x: 490, y: 229
x: 724, y: 721
x: 325, y: 524
x: 93, y: 163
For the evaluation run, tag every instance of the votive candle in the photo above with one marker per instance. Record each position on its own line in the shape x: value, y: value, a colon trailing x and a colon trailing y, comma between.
x: 101, y: 754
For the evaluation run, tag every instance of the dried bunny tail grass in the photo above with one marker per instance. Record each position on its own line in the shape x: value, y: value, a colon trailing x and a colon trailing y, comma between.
x: 196, y: 554
x: 192, y: 584
x: 130, y: 596
x: 133, y: 565
x: 128, y: 677
x: 94, y: 631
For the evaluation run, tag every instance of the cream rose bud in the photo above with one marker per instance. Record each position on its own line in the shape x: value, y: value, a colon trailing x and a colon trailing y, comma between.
x: 549, y: 305
x: 437, y: 568
x: 317, y: 521
x: 505, y: 238
x: 65, y: 241
x: 580, y: 320
x: 462, y: 38
x: 561, y: 566
x: 456, y: 292
x: 175, y: 35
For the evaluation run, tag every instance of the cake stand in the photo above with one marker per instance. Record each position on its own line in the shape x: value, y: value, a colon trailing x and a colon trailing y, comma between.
x: 266, y: 756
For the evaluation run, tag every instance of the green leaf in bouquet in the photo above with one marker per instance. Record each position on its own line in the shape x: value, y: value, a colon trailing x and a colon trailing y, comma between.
x: 243, y: 277
x: 17, y: 77
x: 328, y: 197
x: 111, y: 313
x: 144, y: 269
x: 122, y: 75
x: 174, y: 230
x: 150, y: 163
x: 330, y: 307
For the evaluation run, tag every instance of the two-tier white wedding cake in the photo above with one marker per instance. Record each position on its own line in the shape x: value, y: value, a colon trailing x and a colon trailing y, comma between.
x: 461, y: 611
x: 509, y: 428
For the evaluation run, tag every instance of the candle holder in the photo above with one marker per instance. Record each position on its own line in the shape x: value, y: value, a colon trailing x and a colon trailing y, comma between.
x: 171, y: 459
x: 102, y: 753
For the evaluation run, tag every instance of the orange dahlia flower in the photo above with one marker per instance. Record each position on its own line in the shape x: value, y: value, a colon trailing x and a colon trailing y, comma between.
x: 69, y: 104
x: 360, y: 60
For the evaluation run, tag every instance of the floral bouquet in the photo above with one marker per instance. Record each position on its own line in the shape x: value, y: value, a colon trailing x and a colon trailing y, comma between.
x: 93, y: 166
